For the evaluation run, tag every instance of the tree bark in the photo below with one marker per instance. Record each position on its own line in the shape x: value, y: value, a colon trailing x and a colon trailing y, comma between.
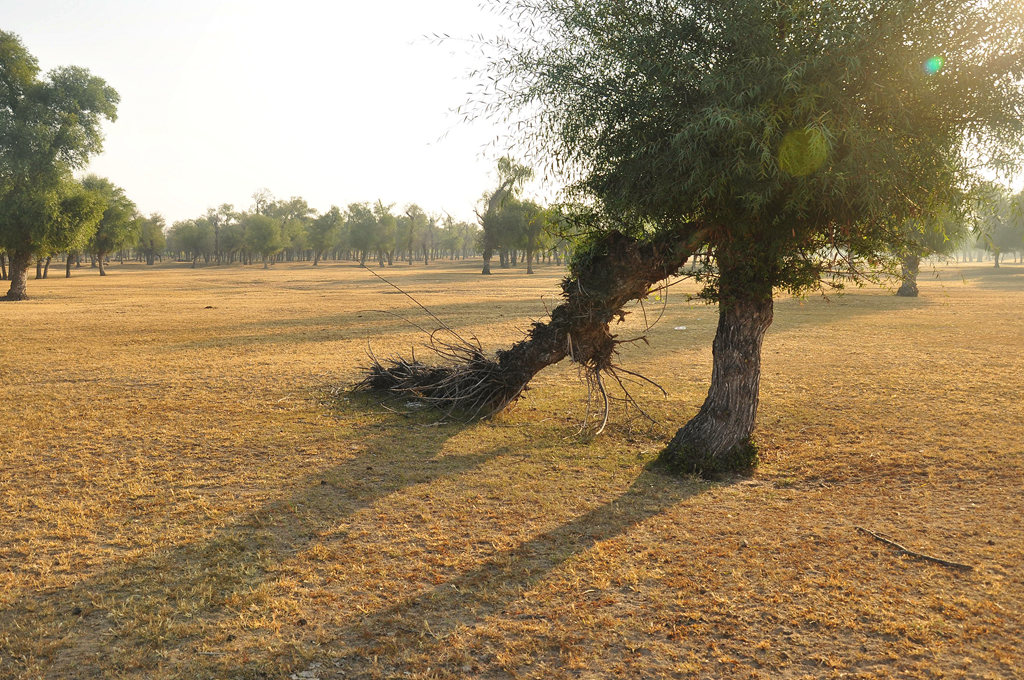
x: 19, y: 265
x: 99, y: 258
x: 910, y: 268
x: 488, y: 254
x: 67, y: 265
x: 718, y: 438
x: 3, y: 266
x: 39, y: 268
x: 46, y: 267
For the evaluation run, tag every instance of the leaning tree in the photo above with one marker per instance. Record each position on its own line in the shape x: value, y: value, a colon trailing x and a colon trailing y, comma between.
x: 49, y: 127
x: 789, y: 141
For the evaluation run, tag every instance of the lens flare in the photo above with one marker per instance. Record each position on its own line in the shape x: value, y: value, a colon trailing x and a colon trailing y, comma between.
x: 803, y: 152
x: 933, y: 65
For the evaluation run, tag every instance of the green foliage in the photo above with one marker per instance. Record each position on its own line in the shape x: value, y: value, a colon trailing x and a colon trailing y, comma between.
x: 152, y: 241
x: 48, y: 127
x: 1001, y: 223
x: 800, y: 135
x: 361, y: 224
x: 263, y: 234
x: 386, y: 232
x: 511, y: 177
x: 72, y: 219
x: 117, y: 228
x: 940, y: 232
x: 326, y: 230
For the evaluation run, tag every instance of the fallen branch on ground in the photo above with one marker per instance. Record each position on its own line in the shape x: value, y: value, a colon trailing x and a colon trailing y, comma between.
x: 912, y: 553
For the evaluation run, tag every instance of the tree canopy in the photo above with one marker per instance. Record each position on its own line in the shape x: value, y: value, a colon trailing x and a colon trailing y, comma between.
x: 808, y: 128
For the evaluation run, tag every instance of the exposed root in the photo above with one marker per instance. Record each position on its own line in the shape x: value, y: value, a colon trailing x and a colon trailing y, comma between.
x: 469, y: 385
x: 617, y: 270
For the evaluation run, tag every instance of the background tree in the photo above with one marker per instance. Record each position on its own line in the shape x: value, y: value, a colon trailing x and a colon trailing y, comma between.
x: 263, y: 235
x: 362, y: 227
x: 117, y: 227
x: 511, y: 178
x: 1001, y: 227
x: 940, y: 233
x: 386, y: 233
x: 294, y: 216
x: 193, y: 239
x: 534, y: 231
x: 415, y: 230
x: 325, y: 231
x: 152, y: 241
x: 48, y: 128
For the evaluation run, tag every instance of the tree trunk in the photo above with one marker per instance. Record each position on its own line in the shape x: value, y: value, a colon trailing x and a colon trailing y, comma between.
x: 39, y: 268
x: 910, y: 267
x: 20, y: 263
x: 99, y: 258
x: 995, y: 256
x: 67, y: 266
x: 46, y: 266
x: 488, y: 254
x: 3, y: 266
x: 718, y: 438
x: 316, y: 258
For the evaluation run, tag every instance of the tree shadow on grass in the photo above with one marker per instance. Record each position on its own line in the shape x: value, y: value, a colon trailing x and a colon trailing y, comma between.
x: 1008, y: 277
x: 162, y: 613
x: 155, y: 603
x: 396, y: 640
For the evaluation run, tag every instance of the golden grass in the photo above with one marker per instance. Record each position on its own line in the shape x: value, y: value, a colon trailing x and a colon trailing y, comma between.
x: 179, y: 501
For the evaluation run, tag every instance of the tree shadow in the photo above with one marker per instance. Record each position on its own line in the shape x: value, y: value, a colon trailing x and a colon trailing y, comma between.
x: 1007, y: 277
x: 374, y: 644
x: 157, y: 600
x: 159, y: 610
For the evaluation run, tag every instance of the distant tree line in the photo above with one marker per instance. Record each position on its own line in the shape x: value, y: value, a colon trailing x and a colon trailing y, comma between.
x: 289, y: 230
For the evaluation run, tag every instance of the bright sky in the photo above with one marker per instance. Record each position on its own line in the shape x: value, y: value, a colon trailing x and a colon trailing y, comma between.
x: 335, y: 101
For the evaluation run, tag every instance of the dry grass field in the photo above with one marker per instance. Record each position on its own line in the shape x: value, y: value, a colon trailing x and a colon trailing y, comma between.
x: 183, y: 497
